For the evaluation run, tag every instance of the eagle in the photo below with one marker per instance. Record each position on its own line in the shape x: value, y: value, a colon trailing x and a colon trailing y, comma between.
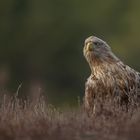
x: 110, y: 77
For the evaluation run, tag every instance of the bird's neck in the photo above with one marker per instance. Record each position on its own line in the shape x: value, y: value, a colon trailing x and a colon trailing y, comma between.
x: 103, y: 65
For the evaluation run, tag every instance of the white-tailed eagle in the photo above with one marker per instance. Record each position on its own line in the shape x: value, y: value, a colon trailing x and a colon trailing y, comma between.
x: 110, y: 77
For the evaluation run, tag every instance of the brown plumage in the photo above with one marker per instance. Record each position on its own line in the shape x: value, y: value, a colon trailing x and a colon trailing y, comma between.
x: 110, y: 77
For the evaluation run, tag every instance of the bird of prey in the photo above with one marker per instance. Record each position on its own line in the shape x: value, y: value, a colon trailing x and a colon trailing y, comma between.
x: 110, y: 77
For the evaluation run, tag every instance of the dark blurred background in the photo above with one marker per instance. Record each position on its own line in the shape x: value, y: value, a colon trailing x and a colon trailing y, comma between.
x: 41, y: 43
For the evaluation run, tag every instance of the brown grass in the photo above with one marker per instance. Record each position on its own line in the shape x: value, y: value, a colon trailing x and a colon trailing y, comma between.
x: 28, y: 120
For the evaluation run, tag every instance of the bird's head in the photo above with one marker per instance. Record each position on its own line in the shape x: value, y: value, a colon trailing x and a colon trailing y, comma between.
x: 95, y: 47
x: 96, y: 51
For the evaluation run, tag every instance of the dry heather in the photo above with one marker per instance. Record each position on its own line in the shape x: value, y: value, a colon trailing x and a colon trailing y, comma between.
x: 26, y: 120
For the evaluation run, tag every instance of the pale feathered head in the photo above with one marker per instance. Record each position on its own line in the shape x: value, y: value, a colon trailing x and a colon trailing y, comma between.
x: 97, y: 51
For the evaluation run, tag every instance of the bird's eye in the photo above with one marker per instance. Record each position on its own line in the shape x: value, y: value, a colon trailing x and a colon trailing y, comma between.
x: 96, y: 43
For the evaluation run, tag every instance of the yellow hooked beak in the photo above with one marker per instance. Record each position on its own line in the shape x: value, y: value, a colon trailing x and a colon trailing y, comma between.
x: 90, y: 46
